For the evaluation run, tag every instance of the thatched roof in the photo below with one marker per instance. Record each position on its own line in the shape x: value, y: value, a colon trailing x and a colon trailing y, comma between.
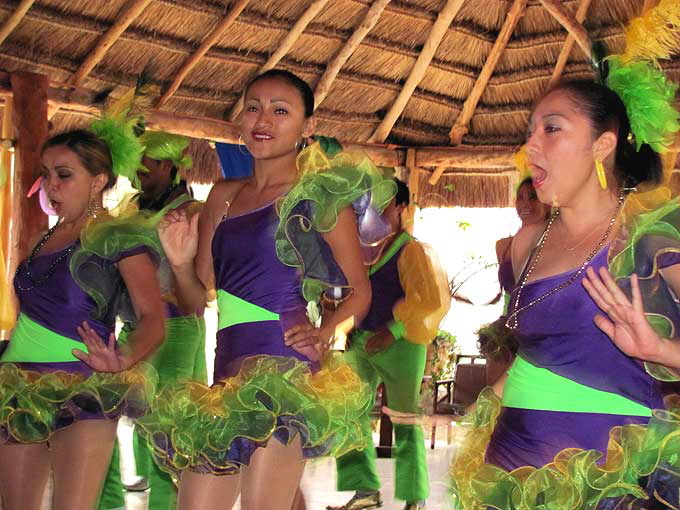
x: 55, y: 37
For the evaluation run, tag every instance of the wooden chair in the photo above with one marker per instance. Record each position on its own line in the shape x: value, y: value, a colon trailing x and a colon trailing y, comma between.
x: 469, y: 378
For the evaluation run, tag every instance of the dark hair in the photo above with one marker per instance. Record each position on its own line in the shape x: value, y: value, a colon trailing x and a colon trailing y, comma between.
x: 92, y: 151
x: 606, y: 112
x: 301, y: 85
x: 403, y: 195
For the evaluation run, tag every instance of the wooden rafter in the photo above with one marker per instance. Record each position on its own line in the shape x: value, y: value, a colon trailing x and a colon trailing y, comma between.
x: 285, y: 46
x: 333, y: 68
x: 570, y: 23
x: 568, y: 45
x: 14, y: 19
x: 460, y: 127
x: 437, y: 33
x: 205, y: 46
x: 132, y: 10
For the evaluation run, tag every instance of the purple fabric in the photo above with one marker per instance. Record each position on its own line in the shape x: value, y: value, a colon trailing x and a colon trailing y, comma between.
x: 59, y: 304
x: 559, y: 334
x: 387, y: 280
x: 668, y: 259
x: 524, y: 437
x: 246, y: 265
x: 506, y: 276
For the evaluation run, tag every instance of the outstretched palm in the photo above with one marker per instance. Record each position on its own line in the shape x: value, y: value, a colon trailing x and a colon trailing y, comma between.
x: 625, y: 323
x: 101, y: 356
x: 179, y: 236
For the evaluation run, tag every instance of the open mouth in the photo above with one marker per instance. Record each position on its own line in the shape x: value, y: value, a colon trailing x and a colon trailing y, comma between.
x: 538, y: 175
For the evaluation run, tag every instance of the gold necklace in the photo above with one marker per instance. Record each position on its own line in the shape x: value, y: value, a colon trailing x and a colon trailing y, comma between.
x: 512, y: 321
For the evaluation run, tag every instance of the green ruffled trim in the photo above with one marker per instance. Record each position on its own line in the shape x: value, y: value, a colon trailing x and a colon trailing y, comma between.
x: 330, y: 185
x: 193, y: 425
x: 575, y: 480
x: 33, y: 404
x: 109, y: 239
x: 661, y: 223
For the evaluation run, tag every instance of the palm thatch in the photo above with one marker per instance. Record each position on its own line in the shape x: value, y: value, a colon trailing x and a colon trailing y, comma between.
x: 55, y: 37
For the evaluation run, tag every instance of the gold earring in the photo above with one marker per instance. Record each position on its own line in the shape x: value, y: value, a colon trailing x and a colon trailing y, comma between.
x: 601, y: 176
x: 93, y: 209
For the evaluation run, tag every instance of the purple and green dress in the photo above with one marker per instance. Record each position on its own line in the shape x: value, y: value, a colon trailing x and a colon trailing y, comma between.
x: 268, y: 263
x: 581, y: 425
x: 43, y: 387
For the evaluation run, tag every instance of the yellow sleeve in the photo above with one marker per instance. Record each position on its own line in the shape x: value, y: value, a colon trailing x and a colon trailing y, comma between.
x: 426, y: 288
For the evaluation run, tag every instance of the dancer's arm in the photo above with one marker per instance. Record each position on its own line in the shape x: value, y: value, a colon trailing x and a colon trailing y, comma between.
x: 139, y: 274
x: 344, y: 243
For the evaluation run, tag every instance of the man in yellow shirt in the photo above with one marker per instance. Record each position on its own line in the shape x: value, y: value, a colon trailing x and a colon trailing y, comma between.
x: 410, y: 298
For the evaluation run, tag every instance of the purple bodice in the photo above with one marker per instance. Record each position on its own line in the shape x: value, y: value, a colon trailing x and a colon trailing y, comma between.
x: 387, y: 291
x: 559, y: 334
x: 59, y: 304
x: 246, y: 266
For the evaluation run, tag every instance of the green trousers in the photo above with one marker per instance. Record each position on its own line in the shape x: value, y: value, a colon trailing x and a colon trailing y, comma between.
x: 401, y: 368
x: 180, y: 357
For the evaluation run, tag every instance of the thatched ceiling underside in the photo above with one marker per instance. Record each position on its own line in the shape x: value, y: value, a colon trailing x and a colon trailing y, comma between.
x: 56, y: 36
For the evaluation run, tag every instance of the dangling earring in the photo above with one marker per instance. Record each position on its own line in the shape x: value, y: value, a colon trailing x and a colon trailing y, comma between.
x: 301, y: 144
x: 93, y: 209
x: 601, y: 176
x: 241, y: 145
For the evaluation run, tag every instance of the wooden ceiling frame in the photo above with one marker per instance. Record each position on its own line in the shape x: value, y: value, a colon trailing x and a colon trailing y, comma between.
x: 14, y: 19
x: 324, y: 84
x: 437, y: 33
x: 192, y: 61
x: 126, y: 17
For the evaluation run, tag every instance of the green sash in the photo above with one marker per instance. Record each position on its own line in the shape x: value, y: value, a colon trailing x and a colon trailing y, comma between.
x: 532, y: 387
x: 31, y: 342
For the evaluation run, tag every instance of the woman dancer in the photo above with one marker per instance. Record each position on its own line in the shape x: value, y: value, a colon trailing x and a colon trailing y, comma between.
x: 63, y: 379
x: 267, y: 410
x: 530, y: 210
x: 570, y: 385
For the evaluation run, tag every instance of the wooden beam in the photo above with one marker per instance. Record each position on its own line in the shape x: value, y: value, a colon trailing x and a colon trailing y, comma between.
x: 205, y: 46
x: 464, y: 157
x: 461, y: 126
x: 414, y: 190
x: 14, y: 19
x: 132, y: 10
x: 80, y: 101
x: 437, y: 33
x: 285, y: 46
x: 7, y: 262
x: 569, y: 21
x: 649, y: 4
x: 29, y: 92
x: 334, y: 66
x: 568, y: 45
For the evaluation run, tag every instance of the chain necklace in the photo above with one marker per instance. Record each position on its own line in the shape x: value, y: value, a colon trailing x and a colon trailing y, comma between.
x: 512, y: 321
x: 50, y: 270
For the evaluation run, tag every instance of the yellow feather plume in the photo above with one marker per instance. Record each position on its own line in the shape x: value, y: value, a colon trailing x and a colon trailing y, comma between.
x: 655, y: 34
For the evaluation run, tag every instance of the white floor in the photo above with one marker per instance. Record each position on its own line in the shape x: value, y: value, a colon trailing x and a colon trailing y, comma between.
x: 318, y: 483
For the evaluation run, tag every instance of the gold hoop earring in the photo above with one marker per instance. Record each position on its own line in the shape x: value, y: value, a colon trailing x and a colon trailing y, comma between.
x: 242, y: 146
x: 601, y: 175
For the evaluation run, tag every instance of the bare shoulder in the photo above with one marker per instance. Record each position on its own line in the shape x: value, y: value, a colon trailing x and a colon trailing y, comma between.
x: 524, y: 241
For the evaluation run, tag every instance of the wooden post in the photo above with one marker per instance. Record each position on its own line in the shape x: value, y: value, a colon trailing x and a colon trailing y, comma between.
x: 7, y: 312
x: 30, y: 123
x: 409, y: 214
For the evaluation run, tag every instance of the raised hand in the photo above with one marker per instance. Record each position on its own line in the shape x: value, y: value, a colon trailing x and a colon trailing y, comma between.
x: 625, y: 323
x: 101, y: 356
x: 179, y: 236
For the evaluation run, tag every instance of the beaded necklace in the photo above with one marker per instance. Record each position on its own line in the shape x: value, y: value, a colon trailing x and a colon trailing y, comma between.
x: 50, y: 270
x: 512, y: 321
